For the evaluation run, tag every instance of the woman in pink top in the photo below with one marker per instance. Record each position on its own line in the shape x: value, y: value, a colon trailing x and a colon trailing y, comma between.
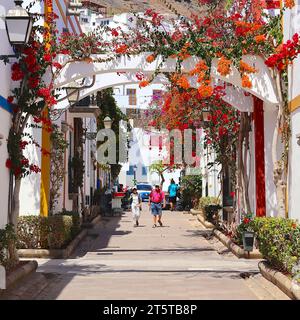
x: 157, y: 196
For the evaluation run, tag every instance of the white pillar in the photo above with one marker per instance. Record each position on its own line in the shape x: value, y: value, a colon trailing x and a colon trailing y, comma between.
x: 269, y: 126
x: 294, y: 168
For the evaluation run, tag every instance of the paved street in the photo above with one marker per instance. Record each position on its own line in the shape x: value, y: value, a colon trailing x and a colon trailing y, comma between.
x: 176, y: 261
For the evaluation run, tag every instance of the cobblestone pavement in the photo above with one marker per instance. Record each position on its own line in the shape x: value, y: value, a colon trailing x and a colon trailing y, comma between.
x: 177, y: 261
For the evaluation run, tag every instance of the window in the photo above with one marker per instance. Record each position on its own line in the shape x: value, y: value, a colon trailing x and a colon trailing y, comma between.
x: 144, y: 171
x: 130, y: 172
x: 131, y: 93
x: 157, y: 94
x: 144, y: 187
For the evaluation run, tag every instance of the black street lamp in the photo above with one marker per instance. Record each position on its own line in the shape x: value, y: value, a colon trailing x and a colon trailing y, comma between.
x: 18, y: 24
x: 73, y: 95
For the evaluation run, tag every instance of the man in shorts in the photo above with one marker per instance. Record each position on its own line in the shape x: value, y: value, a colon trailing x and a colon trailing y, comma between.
x: 156, y: 198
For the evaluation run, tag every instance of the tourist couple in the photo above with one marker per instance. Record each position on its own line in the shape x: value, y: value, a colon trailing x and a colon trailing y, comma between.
x: 157, y: 202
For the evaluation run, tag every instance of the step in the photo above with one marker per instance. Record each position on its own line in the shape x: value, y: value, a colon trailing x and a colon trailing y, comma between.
x: 264, y: 289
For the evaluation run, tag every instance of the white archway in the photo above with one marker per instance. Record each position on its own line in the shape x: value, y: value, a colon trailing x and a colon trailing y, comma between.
x: 263, y: 84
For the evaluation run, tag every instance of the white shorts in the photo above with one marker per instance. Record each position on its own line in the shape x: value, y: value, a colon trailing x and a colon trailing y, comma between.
x: 136, y: 212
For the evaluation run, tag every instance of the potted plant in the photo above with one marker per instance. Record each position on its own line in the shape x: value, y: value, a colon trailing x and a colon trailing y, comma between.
x: 246, y: 232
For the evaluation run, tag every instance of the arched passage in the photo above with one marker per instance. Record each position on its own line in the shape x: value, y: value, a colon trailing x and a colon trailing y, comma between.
x: 122, y: 70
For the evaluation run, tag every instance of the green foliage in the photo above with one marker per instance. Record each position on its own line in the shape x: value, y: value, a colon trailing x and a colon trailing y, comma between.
x: 109, y: 107
x: 279, y: 241
x: 76, y: 221
x: 7, y: 237
x: 191, y: 188
x: 53, y: 232
x: 207, y: 201
x: 245, y: 225
x: 210, y: 206
x: 77, y: 165
x: 57, y: 172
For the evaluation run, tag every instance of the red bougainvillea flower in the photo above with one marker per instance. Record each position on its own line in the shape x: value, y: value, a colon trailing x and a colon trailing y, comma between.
x: 44, y: 92
x: 10, y: 99
x: 114, y: 32
x: 33, y: 82
x: 56, y: 65
x: 8, y: 163
x: 246, y: 220
x: 47, y: 57
x: 17, y: 74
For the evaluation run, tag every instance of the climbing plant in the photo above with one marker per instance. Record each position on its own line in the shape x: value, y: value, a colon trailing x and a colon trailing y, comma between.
x: 57, y: 170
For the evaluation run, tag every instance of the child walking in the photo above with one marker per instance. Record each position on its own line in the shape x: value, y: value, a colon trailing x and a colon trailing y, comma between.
x: 136, y: 206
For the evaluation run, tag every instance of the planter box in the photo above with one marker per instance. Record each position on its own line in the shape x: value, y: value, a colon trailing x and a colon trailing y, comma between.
x: 19, y: 273
x: 235, y: 249
x: 53, y: 253
x: 280, y: 280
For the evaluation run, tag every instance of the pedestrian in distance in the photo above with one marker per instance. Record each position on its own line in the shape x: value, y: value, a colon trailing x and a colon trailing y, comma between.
x: 136, y: 206
x: 173, y: 190
x: 157, y: 202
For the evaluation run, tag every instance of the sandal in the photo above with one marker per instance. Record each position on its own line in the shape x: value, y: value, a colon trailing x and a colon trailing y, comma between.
x: 160, y: 223
x: 154, y: 226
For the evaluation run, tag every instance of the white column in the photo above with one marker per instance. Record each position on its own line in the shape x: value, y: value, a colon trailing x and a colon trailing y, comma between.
x: 270, y: 124
x: 294, y: 168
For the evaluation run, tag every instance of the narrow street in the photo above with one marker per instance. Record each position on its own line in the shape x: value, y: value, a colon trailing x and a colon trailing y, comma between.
x: 177, y: 261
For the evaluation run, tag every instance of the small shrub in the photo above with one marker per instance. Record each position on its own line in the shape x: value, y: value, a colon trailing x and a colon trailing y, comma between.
x: 207, y: 201
x: 7, y: 238
x: 54, y: 232
x: 76, y: 221
x: 279, y: 241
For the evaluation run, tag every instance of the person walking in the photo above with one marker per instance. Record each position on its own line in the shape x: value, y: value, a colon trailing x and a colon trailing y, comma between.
x: 156, y: 198
x: 136, y: 206
x: 173, y: 189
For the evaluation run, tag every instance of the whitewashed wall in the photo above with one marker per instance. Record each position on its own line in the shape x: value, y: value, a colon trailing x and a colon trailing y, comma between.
x: 292, y: 26
x: 5, y: 116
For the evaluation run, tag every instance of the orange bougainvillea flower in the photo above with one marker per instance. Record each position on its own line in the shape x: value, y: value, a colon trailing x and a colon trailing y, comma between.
x: 246, y: 82
x: 144, y: 83
x: 205, y: 91
x: 199, y: 68
x: 245, y: 67
x: 260, y: 38
x: 289, y: 3
x: 150, y: 58
x: 201, y: 77
x: 224, y: 66
x: 183, y: 82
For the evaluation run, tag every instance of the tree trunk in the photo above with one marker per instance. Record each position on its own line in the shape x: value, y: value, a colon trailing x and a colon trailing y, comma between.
x: 13, y: 217
x: 278, y: 166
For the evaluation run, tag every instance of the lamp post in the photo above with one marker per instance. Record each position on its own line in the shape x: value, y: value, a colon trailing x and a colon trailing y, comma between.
x: 18, y: 24
x: 134, y: 173
x: 107, y: 122
x: 73, y: 95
